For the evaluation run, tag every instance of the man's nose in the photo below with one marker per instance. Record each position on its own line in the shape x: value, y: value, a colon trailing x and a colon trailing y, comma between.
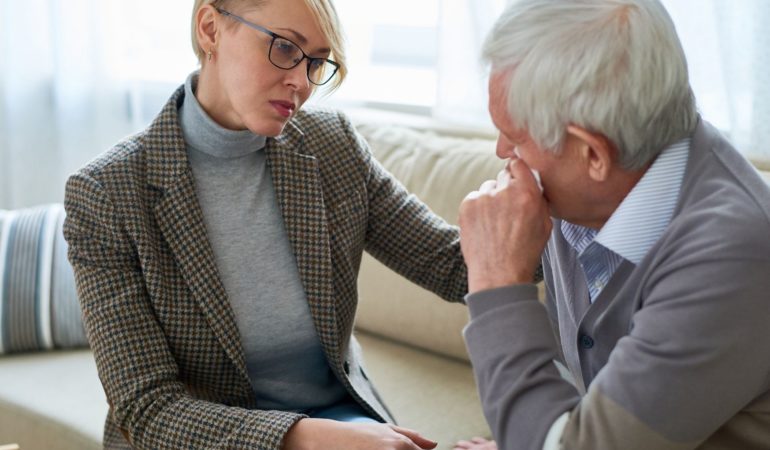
x: 504, y: 149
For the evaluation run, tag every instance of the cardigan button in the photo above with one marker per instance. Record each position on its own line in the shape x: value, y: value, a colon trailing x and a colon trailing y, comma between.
x: 586, y: 341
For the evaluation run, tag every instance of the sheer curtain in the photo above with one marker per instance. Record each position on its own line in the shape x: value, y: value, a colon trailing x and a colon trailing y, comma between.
x: 57, y: 100
x: 462, y: 80
x: 78, y: 75
x: 74, y: 80
x: 728, y: 52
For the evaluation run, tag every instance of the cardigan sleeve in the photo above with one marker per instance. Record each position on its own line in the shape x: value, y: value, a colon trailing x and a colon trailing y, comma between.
x: 691, y: 363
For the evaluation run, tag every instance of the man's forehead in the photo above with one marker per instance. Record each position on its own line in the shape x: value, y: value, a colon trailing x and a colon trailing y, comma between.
x: 498, y: 103
x: 497, y: 96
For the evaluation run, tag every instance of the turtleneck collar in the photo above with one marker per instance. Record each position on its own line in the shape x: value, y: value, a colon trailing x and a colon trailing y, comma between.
x: 203, y: 134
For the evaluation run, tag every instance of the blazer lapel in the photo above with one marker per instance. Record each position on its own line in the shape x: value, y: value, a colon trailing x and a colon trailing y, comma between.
x: 299, y: 192
x: 180, y: 220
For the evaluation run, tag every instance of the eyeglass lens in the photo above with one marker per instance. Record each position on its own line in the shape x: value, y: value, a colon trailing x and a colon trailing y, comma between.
x: 286, y: 55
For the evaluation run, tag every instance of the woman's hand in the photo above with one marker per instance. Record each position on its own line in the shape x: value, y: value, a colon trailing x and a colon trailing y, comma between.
x: 325, y: 434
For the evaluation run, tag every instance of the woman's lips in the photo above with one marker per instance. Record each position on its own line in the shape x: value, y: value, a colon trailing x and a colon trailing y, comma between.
x: 284, y: 108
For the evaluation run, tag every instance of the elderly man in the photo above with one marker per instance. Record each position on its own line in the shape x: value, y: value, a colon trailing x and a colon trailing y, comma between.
x: 653, y: 234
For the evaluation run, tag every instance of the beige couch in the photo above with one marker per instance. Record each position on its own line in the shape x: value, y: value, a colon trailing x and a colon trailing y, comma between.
x: 412, y: 340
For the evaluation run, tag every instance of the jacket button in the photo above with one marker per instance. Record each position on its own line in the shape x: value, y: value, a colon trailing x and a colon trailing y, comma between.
x: 586, y: 341
x: 346, y: 367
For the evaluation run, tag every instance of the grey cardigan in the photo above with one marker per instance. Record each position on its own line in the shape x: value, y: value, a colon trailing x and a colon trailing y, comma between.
x: 673, y: 354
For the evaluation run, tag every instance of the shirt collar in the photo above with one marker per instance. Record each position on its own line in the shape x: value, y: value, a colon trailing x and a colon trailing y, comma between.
x: 577, y: 236
x: 647, y: 210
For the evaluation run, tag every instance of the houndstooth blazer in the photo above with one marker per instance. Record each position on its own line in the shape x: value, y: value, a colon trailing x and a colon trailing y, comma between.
x: 156, y: 313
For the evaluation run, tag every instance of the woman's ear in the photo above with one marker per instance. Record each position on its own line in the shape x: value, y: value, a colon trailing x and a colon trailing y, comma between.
x: 206, y: 28
x: 595, y: 150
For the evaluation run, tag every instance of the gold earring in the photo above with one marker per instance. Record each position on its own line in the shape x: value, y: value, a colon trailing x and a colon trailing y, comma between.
x: 210, y: 55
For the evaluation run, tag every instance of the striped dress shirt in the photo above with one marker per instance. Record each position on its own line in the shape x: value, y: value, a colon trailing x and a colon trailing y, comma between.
x: 635, y: 225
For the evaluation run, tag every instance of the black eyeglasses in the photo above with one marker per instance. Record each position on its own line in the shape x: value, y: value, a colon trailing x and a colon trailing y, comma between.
x: 286, y: 55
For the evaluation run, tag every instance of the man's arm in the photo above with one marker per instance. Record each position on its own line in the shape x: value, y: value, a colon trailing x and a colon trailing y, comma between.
x: 512, y: 349
x: 688, y: 366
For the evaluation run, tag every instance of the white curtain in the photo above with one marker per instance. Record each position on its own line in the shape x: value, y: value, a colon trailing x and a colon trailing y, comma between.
x: 71, y: 84
x: 462, y: 80
x: 58, y: 103
x: 78, y: 75
x: 728, y: 52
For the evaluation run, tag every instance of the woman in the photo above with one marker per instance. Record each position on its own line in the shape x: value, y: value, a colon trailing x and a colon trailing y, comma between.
x: 216, y: 252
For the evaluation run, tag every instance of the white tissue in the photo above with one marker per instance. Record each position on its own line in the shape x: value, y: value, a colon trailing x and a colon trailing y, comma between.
x: 535, y: 173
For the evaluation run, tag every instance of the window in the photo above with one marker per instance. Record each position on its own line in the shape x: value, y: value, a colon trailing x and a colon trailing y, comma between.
x: 393, y: 48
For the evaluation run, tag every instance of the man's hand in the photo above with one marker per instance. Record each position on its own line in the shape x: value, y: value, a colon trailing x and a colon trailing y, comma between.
x: 504, y: 227
x: 325, y: 434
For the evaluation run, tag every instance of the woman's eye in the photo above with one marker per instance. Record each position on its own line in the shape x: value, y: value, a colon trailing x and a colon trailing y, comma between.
x: 316, y: 64
x: 284, y: 47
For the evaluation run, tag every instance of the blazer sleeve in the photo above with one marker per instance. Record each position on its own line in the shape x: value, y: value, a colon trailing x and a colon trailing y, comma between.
x: 694, y: 359
x: 404, y: 234
x: 148, y: 401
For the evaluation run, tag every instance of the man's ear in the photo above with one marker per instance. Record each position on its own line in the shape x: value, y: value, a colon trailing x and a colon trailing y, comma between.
x: 206, y: 28
x: 595, y: 150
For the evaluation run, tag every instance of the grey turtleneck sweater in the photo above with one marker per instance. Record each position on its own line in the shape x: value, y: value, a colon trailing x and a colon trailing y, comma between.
x: 284, y: 358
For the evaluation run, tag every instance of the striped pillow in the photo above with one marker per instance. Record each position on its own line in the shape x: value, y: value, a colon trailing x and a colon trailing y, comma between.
x: 38, y: 303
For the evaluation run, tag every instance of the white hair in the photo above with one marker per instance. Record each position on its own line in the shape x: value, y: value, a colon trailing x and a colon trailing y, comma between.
x: 614, y: 67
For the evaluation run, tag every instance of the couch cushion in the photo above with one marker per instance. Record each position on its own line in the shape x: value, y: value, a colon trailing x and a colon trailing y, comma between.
x: 441, y: 171
x: 51, y: 401
x: 426, y: 392
x: 38, y: 302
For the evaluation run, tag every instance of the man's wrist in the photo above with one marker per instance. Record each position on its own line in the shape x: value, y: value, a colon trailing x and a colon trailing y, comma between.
x: 485, y: 282
x: 491, y: 300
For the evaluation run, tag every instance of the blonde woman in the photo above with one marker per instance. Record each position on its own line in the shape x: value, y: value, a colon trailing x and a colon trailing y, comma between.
x: 216, y: 252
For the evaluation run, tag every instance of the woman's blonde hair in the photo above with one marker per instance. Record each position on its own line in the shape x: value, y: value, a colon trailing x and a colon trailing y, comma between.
x: 322, y: 10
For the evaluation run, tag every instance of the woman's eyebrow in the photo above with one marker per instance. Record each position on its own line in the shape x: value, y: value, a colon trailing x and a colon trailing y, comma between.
x: 302, y: 40
x: 296, y: 35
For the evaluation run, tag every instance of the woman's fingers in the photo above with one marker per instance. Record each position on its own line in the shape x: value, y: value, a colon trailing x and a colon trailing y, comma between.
x: 420, y: 441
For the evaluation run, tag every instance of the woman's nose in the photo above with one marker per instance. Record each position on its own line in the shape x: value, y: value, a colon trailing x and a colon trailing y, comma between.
x: 296, y: 77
